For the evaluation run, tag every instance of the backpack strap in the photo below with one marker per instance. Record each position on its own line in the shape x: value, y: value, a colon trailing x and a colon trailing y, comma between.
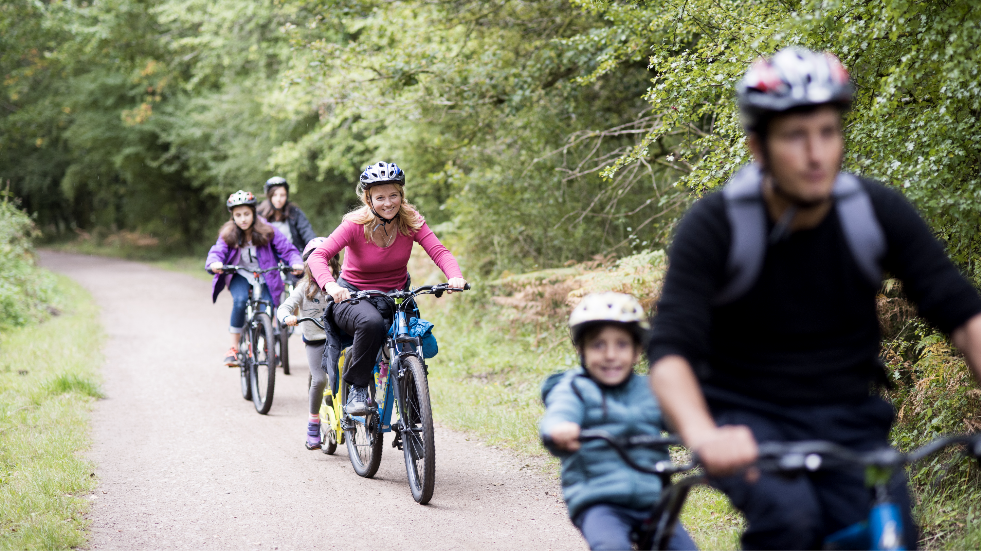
x: 746, y: 213
x: 747, y: 220
x: 864, y: 235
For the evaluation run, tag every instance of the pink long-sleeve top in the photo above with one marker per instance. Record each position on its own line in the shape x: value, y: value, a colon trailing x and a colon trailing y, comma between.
x: 368, y: 266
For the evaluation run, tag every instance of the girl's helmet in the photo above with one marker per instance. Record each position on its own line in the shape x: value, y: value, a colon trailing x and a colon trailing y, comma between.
x: 793, y: 77
x: 240, y: 198
x: 275, y: 181
x: 312, y: 246
x: 609, y: 307
x: 381, y: 173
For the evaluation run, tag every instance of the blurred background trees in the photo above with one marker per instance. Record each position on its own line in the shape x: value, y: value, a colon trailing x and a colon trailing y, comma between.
x: 532, y: 133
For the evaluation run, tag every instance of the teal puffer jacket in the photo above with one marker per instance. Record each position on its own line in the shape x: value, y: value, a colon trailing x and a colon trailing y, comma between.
x: 595, y: 473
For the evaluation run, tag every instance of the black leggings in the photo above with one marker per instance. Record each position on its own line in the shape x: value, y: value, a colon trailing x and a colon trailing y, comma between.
x: 369, y: 328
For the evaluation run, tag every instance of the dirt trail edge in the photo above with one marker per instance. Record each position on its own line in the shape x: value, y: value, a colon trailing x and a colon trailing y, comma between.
x: 184, y: 462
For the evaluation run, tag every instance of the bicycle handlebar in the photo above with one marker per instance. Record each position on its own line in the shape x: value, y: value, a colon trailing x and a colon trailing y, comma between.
x: 437, y: 290
x: 785, y: 457
x: 314, y: 320
x: 620, y: 445
x: 233, y: 267
x: 789, y: 457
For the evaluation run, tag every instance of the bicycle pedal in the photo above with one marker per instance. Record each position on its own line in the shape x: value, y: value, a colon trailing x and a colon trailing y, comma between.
x: 397, y: 442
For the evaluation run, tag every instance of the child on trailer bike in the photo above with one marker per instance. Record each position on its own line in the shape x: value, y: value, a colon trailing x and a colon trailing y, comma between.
x: 607, y: 500
x: 309, y: 301
x: 247, y: 240
x: 378, y: 238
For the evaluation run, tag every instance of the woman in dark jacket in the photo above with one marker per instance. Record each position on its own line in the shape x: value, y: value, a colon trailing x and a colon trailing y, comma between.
x: 283, y: 215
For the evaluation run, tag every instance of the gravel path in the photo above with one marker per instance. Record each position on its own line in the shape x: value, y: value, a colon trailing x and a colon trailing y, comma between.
x: 184, y: 462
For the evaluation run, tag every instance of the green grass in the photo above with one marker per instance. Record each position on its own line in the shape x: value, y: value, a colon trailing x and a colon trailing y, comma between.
x: 48, y: 383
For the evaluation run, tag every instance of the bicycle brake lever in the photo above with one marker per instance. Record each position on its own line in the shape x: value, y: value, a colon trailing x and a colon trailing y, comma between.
x: 438, y: 293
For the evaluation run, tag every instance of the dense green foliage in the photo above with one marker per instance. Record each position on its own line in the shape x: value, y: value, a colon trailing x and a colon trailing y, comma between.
x: 25, y: 291
x: 916, y: 65
x: 533, y: 133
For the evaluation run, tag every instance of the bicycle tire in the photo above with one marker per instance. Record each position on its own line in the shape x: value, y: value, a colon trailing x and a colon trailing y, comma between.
x: 418, y: 442
x: 244, y: 342
x: 364, y: 444
x: 283, y: 347
x: 328, y: 436
x: 263, y: 363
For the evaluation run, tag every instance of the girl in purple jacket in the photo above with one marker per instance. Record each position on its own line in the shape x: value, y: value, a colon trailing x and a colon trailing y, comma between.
x: 248, y: 241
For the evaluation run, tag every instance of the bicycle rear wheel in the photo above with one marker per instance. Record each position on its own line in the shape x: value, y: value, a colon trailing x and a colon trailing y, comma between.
x: 364, y: 444
x: 244, y: 342
x: 263, y: 364
x: 418, y: 444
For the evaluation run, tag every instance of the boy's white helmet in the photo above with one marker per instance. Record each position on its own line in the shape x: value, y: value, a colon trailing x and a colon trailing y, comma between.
x: 609, y: 307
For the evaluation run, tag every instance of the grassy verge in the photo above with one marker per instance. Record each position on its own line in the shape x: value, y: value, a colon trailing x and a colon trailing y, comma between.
x: 48, y: 382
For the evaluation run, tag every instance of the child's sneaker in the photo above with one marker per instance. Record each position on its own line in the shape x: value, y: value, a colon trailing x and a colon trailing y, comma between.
x: 313, y: 436
x: 231, y: 357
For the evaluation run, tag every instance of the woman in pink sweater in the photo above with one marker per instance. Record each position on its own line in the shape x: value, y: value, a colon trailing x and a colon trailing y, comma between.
x: 378, y: 238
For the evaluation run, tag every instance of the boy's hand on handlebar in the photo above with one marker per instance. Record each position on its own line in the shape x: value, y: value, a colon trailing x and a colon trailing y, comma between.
x: 216, y: 267
x: 726, y: 450
x: 337, y: 292
x: 290, y: 320
x: 298, y: 269
x: 457, y: 283
x: 565, y: 436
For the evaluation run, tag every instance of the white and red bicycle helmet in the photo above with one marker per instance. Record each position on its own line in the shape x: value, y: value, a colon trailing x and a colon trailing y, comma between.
x: 792, y: 78
x: 240, y: 198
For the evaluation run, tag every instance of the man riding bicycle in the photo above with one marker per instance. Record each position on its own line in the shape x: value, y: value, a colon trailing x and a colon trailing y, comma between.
x: 767, y: 329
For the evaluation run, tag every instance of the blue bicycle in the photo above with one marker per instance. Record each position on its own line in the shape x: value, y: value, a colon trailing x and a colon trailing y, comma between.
x: 401, y: 388
x: 883, y: 530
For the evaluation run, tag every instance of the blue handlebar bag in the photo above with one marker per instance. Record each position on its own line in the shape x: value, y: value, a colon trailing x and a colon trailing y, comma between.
x: 423, y: 329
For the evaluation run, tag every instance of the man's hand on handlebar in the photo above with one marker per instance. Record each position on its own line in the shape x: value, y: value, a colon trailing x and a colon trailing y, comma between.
x: 457, y: 283
x: 298, y: 269
x: 337, y: 292
x: 216, y: 267
x: 726, y: 450
x: 565, y: 436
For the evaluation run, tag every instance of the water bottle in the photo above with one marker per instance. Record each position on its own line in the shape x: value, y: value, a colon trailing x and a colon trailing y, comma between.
x: 381, y: 385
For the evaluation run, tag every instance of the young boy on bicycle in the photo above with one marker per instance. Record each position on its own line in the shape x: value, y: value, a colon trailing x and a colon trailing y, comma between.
x: 606, y: 498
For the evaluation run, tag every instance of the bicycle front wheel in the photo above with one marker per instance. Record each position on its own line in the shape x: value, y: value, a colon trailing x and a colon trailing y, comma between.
x: 263, y: 364
x: 417, y: 431
x: 283, y: 347
x: 328, y: 435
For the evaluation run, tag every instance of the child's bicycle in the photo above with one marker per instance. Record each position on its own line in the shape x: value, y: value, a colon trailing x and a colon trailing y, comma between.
x: 256, y: 346
x: 400, y: 386
x: 882, y: 530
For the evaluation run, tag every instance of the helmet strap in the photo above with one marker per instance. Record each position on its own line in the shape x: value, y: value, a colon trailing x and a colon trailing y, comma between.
x: 382, y: 221
x: 782, y: 229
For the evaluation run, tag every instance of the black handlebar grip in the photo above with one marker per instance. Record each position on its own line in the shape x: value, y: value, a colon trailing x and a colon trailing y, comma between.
x: 466, y: 286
